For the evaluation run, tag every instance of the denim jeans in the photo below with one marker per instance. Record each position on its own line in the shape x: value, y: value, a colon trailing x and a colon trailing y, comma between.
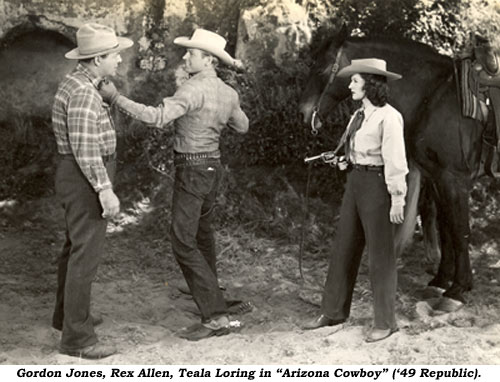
x: 192, y: 235
x: 81, y: 253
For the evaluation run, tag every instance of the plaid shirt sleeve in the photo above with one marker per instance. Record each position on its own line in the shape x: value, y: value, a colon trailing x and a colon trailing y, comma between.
x: 185, y: 99
x: 238, y: 120
x: 83, y: 115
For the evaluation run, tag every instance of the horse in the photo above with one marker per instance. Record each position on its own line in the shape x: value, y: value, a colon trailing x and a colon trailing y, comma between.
x: 443, y: 147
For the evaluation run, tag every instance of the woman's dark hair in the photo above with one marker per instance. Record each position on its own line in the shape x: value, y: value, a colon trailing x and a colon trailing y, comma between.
x: 376, y: 88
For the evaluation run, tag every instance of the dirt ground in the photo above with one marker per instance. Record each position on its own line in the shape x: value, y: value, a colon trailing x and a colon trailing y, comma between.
x: 136, y: 293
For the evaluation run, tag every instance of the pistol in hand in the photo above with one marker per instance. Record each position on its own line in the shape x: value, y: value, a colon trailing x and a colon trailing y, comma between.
x: 327, y: 157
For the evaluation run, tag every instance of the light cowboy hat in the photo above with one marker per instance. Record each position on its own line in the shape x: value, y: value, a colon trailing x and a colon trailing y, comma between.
x: 95, y: 40
x: 209, y: 42
x: 369, y: 65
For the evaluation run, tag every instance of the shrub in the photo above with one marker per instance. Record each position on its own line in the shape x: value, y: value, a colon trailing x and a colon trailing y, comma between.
x: 27, y: 154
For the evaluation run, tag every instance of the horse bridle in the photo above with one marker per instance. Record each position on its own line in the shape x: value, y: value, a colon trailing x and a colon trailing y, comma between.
x: 333, y: 73
x: 314, y: 131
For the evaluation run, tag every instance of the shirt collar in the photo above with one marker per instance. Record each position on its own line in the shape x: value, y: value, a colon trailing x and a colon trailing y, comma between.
x: 205, y: 73
x: 369, y: 110
x: 87, y: 73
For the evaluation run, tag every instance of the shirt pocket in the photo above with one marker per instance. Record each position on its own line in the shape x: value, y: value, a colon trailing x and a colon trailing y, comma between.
x: 368, y: 141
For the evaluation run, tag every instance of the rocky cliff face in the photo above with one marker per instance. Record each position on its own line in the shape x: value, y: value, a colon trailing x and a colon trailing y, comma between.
x: 272, y: 32
x: 35, y: 34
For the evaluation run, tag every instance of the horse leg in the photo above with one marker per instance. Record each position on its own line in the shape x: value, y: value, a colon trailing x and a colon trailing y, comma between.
x: 453, y: 217
x: 428, y: 215
x: 446, y: 269
x: 404, y: 232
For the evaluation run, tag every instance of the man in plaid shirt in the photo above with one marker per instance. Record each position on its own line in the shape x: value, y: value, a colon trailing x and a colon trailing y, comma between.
x: 201, y: 108
x: 86, y: 143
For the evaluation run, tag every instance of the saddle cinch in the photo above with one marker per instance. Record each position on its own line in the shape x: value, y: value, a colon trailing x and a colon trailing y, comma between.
x: 485, y: 72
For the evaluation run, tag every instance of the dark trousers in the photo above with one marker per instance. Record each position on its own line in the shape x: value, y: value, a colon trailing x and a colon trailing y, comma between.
x: 81, y: 253
x: 192, y: 236
x: 364, y: 219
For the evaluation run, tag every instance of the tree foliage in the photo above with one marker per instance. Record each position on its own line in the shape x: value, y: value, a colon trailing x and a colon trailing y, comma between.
x: 276, y: 134
x: 270, y: 97
x: 446, y: 25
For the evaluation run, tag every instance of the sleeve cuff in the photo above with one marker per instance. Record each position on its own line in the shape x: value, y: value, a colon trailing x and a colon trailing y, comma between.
x: 101, y: 187
x: 117, y: 99
x: 114, y: 99
x: 397, y: 200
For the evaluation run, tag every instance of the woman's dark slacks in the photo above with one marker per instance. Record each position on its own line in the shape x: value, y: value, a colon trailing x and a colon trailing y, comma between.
x: 364, y: 219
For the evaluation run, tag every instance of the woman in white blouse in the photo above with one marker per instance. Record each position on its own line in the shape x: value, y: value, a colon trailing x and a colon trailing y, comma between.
x: 372, y: 204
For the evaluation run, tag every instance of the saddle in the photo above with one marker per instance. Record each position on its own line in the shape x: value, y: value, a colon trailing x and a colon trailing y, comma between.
x: 486, y: 56
x: 484, y: 83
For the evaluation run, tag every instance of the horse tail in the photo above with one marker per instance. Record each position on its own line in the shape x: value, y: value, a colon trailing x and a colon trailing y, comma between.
x: 405, y: 231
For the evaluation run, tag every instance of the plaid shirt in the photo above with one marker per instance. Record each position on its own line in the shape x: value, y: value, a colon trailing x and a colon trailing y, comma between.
x: 201, y: 108
x: 83, y: 126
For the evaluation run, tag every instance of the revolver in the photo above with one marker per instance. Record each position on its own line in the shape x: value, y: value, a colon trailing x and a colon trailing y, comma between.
x: 327, y: 157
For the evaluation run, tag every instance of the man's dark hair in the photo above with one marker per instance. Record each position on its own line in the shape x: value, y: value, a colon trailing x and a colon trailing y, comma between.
x: 376, y: 88
x: 215, y: 60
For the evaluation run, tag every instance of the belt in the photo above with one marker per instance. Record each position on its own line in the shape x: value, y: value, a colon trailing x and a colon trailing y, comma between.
x: 362, y: 167
x: 105, y: 158
x: 193, y: 159
x: 200, y: 155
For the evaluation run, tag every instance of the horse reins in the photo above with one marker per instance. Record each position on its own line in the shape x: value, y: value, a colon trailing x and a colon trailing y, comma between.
x: 333, y: 73
x: 314, y: 131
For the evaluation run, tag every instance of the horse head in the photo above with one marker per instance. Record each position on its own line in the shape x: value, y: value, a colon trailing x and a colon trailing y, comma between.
x: 322, y: 83
x: 422, y: 68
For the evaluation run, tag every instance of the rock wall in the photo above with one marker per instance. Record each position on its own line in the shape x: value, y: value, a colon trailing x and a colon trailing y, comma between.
x: 34, y: 36
x: 37, y: 33
x: 272, y: 32
x: 65, y: 15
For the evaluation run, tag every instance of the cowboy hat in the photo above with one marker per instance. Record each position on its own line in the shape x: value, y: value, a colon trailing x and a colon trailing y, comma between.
x: 369, y: 65
x: 209, y: 42
x: 96, y: 40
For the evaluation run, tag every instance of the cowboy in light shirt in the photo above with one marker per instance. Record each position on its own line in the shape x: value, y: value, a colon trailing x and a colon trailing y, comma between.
x: 372, y: 204
x: 86, y: 141
x: 201, y: 108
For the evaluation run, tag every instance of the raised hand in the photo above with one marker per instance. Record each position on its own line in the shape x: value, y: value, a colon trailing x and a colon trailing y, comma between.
x: 108, y: 91
x: 238, y: 64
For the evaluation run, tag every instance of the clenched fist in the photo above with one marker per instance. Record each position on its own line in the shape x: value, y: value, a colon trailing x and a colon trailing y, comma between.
x: 108, y: 92
x: 238, y: 64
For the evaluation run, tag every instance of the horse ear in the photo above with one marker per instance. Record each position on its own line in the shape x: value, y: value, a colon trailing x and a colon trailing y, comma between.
x: 480, y: 40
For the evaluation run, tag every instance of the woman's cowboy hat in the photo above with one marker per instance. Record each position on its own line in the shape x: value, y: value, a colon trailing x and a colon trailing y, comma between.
x: 369, y: 65
x: 209, y: 42
x: 95, y: 40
